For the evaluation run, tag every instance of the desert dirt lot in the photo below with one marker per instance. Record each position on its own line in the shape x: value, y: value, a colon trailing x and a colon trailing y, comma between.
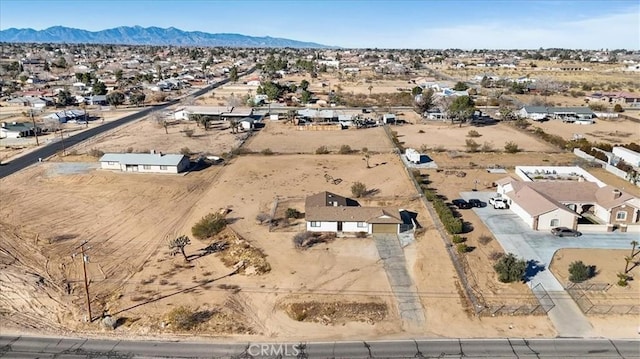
x: 134, y: 278
x: 612, y: 131
x: 286, y: 138
x: 145, y: 135
x: 604, y: 301
x: 453, y: 137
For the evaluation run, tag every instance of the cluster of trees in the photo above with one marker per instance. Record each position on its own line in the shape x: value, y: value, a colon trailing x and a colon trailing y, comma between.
x: 451, y: 223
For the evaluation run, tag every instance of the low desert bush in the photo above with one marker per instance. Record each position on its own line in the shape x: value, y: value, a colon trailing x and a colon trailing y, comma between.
x: 94, y: 152
x: 267, y: 152
x: 511, y: 147
x: 345, y: 150
x: 322, y: 150
x: 473, y: 133
x: 485, y: 239
x: 510, y: 268
x: 209, y: 226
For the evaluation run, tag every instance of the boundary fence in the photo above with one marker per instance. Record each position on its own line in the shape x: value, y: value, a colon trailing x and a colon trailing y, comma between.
x: 580, y: 294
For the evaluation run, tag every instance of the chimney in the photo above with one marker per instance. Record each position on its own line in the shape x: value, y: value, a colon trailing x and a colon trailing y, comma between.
x: 153, y: 152
x: 4, y: 124
x: 616, y: 193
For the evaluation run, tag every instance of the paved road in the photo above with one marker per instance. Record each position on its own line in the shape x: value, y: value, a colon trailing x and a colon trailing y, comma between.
x: 50, y: 347
x: 539, y: 246
x: 395, y: 265
x: 50, y: 149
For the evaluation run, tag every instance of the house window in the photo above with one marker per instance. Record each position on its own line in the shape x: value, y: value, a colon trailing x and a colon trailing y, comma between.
x: 146, y: 167
x: 111, y: 163
x: 163, y: 168
x: 315, y: 224
x: 362, y: 225
x: 554, y: 222
x: 621, y: 216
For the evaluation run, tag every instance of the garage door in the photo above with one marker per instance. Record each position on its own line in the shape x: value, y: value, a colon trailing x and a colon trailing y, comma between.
x: 385, y: 228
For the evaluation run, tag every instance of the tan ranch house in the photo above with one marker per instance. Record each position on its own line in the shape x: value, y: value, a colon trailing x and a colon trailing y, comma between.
x: 545, y: 205
x: 329, y: 212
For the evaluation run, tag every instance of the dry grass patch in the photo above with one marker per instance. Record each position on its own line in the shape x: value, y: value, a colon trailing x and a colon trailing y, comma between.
x: 239, y: 251
x: 334, y: 313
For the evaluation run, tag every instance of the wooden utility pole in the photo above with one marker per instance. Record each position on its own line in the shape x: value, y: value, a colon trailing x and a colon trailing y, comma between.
x: 62, y: 141
x: 85, y: 259
x: 35, y: 129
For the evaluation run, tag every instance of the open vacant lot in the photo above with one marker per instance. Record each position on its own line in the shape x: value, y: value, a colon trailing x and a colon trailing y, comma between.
x: 145, y: 135
x: 286, y: 138
x: 612, y: 131
x: 453, y: 137
x: 128, y: 220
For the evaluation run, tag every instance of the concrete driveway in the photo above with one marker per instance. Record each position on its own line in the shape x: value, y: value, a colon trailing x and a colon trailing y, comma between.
x: 395, y: 265
x: 516, y: 237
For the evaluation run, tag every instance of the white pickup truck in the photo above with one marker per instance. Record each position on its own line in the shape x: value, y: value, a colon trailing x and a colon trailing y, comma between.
x: 499, y: 202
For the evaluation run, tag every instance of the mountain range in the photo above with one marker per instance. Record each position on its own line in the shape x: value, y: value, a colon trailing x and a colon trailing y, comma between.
x: 138, y: 35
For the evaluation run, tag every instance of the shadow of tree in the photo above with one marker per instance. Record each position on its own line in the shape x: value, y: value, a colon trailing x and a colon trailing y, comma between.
x: 533, y: 267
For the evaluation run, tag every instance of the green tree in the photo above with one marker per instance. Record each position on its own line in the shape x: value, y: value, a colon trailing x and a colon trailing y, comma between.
x: 461, y: 109
x: 115, y: 98
x: 118, y: 74
x: 425, y: 101
x: 416, y: 91
x: 460, y: 86
x: 305, y: 97
x: 99, y: 88
x: 177, y: 245
x: 510, y: 268
x: 304, y: 85
x: 137, y: 98
x: 233, y: 74
x: 65, y: 98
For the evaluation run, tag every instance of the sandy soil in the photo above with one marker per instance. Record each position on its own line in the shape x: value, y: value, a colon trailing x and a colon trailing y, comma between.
x: 453, y: 137
x: 613, y: 298
x: 145, y: 135
x: 286, y: 138
x: 613, y: 131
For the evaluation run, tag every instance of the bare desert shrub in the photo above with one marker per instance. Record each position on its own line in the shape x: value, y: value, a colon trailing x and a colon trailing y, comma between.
x: 94, y: 152
x: 485, y: 239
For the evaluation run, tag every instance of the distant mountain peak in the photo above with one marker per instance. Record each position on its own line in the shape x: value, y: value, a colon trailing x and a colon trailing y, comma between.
x: 138, y: 35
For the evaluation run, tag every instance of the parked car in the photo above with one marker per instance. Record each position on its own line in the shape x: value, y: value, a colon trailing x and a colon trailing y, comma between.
x: 474, y: 202
x: 461, y: 203
x: 565, y: 232
x: 499, y: 202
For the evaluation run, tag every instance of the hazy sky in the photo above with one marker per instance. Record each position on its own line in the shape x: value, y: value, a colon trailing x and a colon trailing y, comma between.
x: 465, y: 24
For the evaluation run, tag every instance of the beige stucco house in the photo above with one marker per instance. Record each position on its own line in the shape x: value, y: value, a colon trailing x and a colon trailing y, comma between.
x: 544, y: 205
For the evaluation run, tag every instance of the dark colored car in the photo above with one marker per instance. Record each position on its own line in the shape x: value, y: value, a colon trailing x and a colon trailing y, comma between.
x: 474, y: 202
x: 461, y: 204
x: 565, y: 232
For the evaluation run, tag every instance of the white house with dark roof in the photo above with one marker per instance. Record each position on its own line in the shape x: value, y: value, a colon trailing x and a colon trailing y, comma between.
x: 144, y: 162
x: 329, y: 212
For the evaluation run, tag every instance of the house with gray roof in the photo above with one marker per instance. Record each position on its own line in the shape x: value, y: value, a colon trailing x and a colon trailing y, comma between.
x: 566, y: 114
x: 144, y: 162
x: 17, y: 130
x: 329, y: 212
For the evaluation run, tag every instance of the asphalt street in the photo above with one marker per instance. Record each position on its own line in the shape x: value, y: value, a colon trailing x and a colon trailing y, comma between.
x: 50, y: 149
x: 54, y: 347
